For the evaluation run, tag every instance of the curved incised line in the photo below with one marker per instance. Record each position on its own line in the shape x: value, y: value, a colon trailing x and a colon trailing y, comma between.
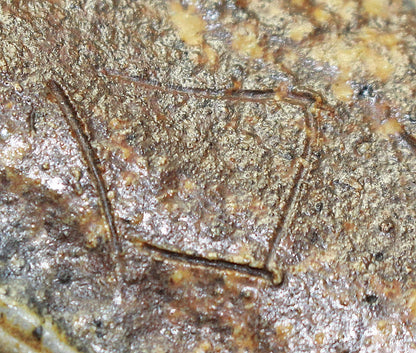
x: 71, y: 117
x: 246, y: 95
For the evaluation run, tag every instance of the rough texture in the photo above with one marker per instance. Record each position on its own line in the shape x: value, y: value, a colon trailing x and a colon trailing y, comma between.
x: 210, y: 176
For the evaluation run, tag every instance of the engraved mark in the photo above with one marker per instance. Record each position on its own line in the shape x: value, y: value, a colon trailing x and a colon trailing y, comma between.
x: 292, y: 200
x: 73, y: 120
x: 296, y: 95
x: 204, y: 262
x: 257, y: 96
x: 300, y: 97
x: 71, y: 116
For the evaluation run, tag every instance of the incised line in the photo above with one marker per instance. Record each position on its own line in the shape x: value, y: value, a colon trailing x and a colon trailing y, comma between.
x: 256, y: 96
x: 71, y: 117
x: 297, y: 95
x: 204, y: 262
x: 300, y: 98
x: 293, y: 197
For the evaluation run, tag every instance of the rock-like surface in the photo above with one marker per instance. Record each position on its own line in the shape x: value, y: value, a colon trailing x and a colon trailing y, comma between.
x: 208, y: 176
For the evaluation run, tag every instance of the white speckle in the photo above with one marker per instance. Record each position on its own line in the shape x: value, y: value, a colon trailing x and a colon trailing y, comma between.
x: 56, y: 184
x: 146, y: 218
x: 165, y: 229
x: 117, y: 298
x: 45, y: 265
x: 4, y: 133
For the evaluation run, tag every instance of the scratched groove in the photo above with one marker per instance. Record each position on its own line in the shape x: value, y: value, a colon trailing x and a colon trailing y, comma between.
x: 241, y: 95
x: 270, y: 271
x: 294, y: 195
x: 208, y: 263
x: 71, y: 116
x: 221, y: 171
